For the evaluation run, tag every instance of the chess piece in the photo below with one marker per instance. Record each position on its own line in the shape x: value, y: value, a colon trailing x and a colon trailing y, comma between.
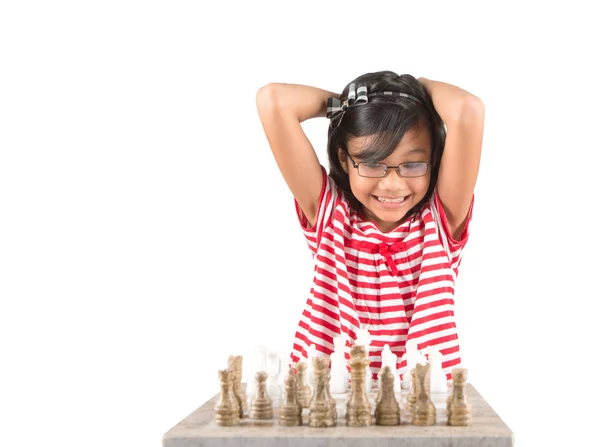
x: 424, y: 410
x: 458, y: 410
x: 273, y: 371
x: 387, y: 410
x: 304, y: 391
x: 339, y: 370
x: 310, y: 372
x: 329, y: 397
x: 439, y: 383
x: 259, y: 363
x: 320, y: 414
x: 290, y: 413
x: 262, y: 405
x: 358, y: 408
x: 363, y: 337
x: 413, y: 357
x: 226, y: 409
x: 411, y: 399
x: 388, y: 358
x: 234, y: 363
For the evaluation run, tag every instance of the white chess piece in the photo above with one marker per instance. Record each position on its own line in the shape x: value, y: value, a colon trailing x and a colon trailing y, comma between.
x: 310, y: 369
x: 439, y: 383
x: 388, y: 358
x: 273, y: 370
x: 412, y: 356
x: 363, y: 337
x: 339, y: 371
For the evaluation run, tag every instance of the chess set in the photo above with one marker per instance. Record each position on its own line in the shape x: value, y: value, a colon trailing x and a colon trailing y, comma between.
x: 314, y: 392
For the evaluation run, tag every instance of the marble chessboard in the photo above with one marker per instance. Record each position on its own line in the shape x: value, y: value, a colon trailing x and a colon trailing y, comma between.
x: 487, y: 429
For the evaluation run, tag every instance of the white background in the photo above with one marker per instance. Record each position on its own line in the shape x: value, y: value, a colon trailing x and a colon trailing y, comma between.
x: 146, y: 233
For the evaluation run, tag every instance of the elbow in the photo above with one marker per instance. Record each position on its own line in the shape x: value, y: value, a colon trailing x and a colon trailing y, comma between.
x: 266, y: 96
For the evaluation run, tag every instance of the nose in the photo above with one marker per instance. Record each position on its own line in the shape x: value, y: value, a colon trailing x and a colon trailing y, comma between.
x: 392, y: 181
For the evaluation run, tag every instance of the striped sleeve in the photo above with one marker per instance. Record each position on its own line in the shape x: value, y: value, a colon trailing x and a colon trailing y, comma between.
x: 327, y: 202
x: 453, y: 247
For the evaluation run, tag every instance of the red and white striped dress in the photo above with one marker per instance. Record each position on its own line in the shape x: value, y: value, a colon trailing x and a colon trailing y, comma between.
x: 398, y: 285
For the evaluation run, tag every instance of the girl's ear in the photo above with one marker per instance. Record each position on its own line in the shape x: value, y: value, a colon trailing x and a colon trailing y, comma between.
x: 343, y: 159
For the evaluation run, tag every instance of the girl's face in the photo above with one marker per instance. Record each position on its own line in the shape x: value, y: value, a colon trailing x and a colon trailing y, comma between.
x: 415, y: 146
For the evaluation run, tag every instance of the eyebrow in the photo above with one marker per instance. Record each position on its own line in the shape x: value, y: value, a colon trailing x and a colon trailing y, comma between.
x: 419, y: 150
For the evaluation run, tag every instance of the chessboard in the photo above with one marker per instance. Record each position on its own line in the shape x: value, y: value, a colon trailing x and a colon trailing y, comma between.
x: 487, y: 428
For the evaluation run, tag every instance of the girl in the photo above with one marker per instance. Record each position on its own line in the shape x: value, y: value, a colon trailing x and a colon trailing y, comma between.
x: 387, y: 225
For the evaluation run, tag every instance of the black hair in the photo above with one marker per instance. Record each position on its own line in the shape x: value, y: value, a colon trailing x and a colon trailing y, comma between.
x: 385, y: 119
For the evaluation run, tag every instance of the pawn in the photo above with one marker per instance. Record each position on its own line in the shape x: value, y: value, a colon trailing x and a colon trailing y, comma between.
x: 304, y: 392
x: 424, y: 410
x: 387, y: 411
x: 411, y: 399
x: 358, y: 408
x: 290, y: 413
x: 262, y: 405
x: 226, y: 409
x: 273, y: 371
x: 320, y: 414
x: 458, y: 410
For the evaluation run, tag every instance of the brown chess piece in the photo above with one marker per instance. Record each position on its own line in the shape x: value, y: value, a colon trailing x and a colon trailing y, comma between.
x: 226, y: 410
x: 290, y: 413
x: 329, y: 397
x: 234, y: 363
x: 458, y: 410
x: 358, y: 408
x: 411, y: 399
x: 304, y: 391
x: 387, y: 411
x: 320, y: 413
x: 262, y: 405
x: 424, y: 410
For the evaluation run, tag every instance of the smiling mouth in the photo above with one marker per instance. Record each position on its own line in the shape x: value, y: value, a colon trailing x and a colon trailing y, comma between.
x: 391, y: 200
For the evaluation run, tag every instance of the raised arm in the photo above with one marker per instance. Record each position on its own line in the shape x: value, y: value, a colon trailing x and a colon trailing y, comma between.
x: 281, y: 108
x: 464, y: 114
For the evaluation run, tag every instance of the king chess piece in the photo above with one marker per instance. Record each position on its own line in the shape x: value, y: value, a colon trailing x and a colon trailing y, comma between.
x: 424, y: 410
x: 262, y: 405
x: 304, y: 391
x: 358, y: 408
x: 458, y: 410
x: 290, y: 413
x: 387, y: 411
x: 320, y: 414
x: 226, y: 409
x: 339, y: 370
x: 234, y: 363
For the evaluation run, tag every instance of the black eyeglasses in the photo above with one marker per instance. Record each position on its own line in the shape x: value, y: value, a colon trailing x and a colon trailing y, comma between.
x: 375, y: 170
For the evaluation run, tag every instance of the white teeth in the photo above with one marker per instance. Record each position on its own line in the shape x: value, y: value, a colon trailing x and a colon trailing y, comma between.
x: 401, y: 199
